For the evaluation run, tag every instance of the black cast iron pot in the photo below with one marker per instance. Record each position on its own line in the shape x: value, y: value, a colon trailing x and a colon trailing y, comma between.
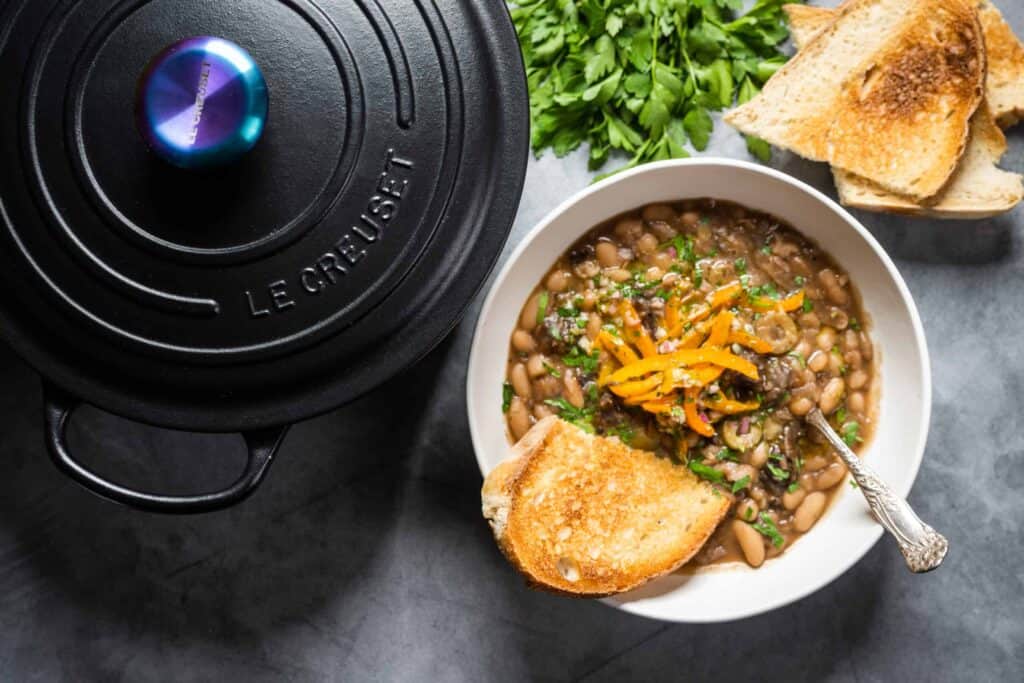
x: 249, y: 295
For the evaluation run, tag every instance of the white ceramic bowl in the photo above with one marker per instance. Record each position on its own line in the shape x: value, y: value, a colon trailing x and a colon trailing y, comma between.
x: 847, y: 531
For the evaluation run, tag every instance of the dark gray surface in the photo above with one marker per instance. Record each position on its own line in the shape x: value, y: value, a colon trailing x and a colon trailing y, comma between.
x: 364, y: 557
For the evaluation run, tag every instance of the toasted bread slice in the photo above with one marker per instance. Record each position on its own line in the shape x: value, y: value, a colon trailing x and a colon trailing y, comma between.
x: 886, y: 91
x: 587, y: 516
x: 978, y: 189
x: 1004, y: 87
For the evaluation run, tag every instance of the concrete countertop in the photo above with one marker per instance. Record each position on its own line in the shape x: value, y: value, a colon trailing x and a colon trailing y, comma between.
x: 364, y: 556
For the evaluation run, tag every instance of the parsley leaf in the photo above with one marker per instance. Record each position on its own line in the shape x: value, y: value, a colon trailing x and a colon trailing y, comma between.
x: 542, y: 306
x: 640, y: 78
x: 588, y: 363
x: 506, y: 397
x: 851, y: 433
x: 581, y: 417
x: 706, y: 472
x: 740, y: 484
x: 766, y: 527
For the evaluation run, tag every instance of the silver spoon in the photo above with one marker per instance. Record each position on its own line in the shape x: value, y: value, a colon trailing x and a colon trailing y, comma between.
x: 922, y: 546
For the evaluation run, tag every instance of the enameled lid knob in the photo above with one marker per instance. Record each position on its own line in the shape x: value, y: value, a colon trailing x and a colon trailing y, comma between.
x: 202, y: 102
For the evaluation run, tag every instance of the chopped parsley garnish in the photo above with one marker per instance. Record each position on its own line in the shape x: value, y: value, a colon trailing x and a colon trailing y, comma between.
x: 542, y: 307
x: 851, y: 433
x: 841, y: 415
x: 854, y: 325
x: 799, y: 357
x: 766, y: 250
x: 588, y: 363
x: 706, y: 472
x: 581, y: 417
x: 624, y: 432
x: 568, y: 312
x: 808, y: 306
x: 777, y: 472
x: 766, y: 527
x: 766, y: 290
x: 740, y: 264
x: 794, y: 487
x: 799, y: 280
x: 853, y: 484
x: 728, y: 454
x: 553, y: 371
x: 740, y: 484
x: 684, y: 248
x: 698, y: 277
x: 506, y: 397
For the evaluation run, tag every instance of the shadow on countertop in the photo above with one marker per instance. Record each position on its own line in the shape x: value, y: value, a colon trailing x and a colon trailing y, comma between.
x: 363, y: 557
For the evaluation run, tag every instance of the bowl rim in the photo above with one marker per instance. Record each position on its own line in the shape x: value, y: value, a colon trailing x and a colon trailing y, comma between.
x: 920, y: 342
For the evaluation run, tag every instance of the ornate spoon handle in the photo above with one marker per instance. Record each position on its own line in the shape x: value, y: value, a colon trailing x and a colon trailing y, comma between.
x: 922, y: 547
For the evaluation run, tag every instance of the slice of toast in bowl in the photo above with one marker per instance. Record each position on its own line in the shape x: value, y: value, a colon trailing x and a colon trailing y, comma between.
x: 587, y: 516
x: 977, y: 189
x: 886, y: 91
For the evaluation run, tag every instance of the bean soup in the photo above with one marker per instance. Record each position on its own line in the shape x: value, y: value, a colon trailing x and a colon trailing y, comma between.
x: 705, y: 332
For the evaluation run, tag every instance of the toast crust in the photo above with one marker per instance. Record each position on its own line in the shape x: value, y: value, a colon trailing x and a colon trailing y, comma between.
x: 587, y: 516
x: 884, y: 91
x: 1004, y: 85
x: 977, y: 188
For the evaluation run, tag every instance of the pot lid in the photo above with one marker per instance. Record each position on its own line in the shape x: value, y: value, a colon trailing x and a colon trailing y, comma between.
x: 335, y: 232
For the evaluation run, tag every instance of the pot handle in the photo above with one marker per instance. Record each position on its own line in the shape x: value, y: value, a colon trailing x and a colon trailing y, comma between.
x: 262, y: 446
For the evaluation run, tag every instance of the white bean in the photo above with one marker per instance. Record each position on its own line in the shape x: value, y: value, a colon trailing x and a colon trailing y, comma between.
x: 523, y: 341
x: 831, y: 395
x: 750, y: 542
x: 573, y: 392
x: 830, y: 476
x: 521, y: 381
x: 518, y: 418
x: 809, y: 511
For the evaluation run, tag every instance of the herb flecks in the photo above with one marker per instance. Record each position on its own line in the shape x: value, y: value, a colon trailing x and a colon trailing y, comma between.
x: 707, y: 472
x: 766, y: 527
x: 581, y: 417
x: 506, y: 397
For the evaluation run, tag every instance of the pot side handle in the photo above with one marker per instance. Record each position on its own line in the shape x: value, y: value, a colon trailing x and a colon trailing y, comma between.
x: 262, y: 446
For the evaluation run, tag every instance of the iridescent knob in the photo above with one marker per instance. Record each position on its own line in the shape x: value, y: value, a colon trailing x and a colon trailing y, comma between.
x: 202, y: 102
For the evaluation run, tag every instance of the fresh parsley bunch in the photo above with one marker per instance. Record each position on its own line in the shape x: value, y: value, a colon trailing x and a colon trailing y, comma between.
x: 641, y: 76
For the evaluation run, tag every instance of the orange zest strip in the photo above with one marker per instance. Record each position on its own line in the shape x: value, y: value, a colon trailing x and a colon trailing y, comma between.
x: 635, y: 332
x: 745, y: 339
x: 787, y: 305
x: 617, y: 348
x: 659, y: 407
x: 694, y: 337
x: 725, y: 295
x: 720, y: 329
x: 672, y: 319
x: 637, y: 388
x: 730, y: 407
x: 685, y: 357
